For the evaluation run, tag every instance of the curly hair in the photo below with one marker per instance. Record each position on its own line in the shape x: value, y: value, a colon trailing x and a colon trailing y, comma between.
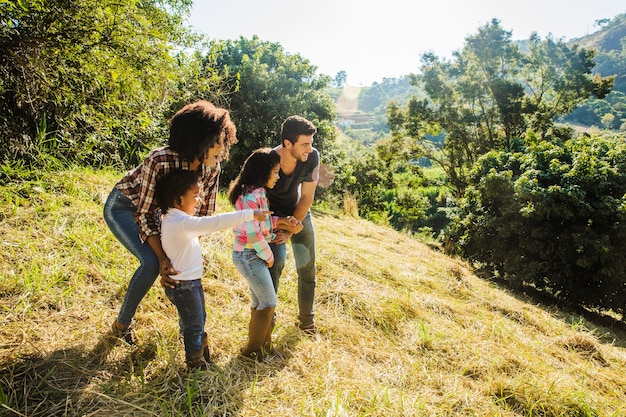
x: 197, y: 127
x: 170, y: 188
x: 255, y: 173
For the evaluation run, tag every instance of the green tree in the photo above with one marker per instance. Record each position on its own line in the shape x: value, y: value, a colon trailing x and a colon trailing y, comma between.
x: 609, y: 63
x: 270, y: 85
x: 607, y: 120
x: 489, y: 95
x: 340, y: 79
x: 613, y: 63
x: 87, y: 80
x: 379, y: 94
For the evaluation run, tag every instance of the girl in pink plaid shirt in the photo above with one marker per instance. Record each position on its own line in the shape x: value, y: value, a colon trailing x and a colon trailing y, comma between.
x: 252, y: 255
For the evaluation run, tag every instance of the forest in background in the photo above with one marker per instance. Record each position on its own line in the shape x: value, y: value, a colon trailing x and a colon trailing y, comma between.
x: 510, y: 187
x: 369, y: 119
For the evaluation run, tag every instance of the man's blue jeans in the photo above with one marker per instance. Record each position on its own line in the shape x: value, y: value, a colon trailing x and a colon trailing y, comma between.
x: 255, y: 271
x: 119, y: 214
x: 303, y: 245
x: 188, y: 297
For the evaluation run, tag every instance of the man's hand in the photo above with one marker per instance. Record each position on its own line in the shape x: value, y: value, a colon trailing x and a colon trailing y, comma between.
x: 165, y: 270
x: 282, y: 236
x: 290, y: 224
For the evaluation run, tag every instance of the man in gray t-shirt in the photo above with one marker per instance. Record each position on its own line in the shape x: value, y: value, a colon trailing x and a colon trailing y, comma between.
x: 292, y: 196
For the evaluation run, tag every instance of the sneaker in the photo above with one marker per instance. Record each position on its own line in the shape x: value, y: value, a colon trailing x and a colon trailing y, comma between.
x: 127, y: 334
x: 309, y: 329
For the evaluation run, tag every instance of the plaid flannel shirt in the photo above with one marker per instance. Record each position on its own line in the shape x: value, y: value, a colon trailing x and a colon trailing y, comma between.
x: 254, y: 234
x: 138, y: 185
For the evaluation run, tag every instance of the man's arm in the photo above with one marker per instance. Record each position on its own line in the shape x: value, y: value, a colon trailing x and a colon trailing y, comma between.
x: 307, y: 193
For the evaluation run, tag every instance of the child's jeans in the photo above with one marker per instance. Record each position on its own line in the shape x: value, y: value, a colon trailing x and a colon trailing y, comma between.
x: 255, y: 271
x: 188, y: 297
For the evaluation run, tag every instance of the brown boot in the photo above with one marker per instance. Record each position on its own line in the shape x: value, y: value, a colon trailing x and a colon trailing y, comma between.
x: 123, y: 332
x: 260, y: 322
x: 195, y: 360
x: 206, y: 354
x: 267, y: 345
x: 268, y: 348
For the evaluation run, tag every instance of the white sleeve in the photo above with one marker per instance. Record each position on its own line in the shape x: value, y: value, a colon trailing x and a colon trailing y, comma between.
x: 208, y: 224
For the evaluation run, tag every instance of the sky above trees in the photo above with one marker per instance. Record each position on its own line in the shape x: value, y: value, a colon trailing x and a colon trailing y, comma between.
x: 373, y: 40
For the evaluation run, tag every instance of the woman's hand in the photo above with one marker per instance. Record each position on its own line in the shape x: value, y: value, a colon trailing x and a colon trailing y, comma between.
x: 165, y: 270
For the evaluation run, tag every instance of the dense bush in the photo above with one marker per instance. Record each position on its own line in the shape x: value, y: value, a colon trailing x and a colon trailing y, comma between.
x: 552, y: 216
x: 92, y: 82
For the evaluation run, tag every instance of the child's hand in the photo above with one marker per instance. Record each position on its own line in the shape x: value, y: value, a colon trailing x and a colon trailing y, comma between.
x: 261, y: 215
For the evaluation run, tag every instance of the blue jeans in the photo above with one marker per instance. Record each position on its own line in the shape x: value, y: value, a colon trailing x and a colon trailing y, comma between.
x: 188, y: 297
x: 303, y: 246
x: 255, y: 271
x: 119, y: 214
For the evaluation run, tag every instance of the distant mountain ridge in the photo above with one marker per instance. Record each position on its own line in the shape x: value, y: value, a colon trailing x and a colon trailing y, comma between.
x: 608, y: 38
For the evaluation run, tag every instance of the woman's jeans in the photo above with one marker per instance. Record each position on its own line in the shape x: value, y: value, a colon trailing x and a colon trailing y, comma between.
x: 255, y: 271
x: 119, y: 214
x: 188, y: 297
x: 303, y: 245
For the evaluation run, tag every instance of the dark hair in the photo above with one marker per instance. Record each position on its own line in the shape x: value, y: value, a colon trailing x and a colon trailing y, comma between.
x: 255, y: 173
x: 170, y: 188
x: 197, y: 127
x: 294, y: 126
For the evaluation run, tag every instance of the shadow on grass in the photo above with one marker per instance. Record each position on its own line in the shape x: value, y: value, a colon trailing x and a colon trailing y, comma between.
x: 607, y: 328
x: 114, y: 379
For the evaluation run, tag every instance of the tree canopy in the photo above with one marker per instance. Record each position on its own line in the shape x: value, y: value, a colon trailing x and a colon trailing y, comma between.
x: 266, y: 86
x: 87, y: 80
x: 490, y: 94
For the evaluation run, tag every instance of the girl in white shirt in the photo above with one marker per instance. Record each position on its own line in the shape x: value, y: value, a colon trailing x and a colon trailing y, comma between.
x: 178, y: 196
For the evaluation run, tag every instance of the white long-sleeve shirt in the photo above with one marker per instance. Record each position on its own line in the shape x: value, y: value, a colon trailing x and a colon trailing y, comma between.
x: 180, y: 237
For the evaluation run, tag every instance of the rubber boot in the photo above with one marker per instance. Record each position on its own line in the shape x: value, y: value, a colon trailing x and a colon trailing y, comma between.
x: 268, y: 348
x: 267, y: 345
x: 260, y: 322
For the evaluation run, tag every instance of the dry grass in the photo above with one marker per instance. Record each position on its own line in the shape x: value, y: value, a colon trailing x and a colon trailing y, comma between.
x: 404, y: 329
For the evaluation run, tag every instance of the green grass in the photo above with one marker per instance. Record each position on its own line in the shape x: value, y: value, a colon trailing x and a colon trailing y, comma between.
x: 404, y: 329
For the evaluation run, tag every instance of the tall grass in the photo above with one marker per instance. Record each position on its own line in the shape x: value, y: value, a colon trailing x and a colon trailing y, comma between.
x: 404, y: 329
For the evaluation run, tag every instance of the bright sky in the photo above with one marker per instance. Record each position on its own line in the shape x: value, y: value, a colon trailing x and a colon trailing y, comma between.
x: 385, y: 39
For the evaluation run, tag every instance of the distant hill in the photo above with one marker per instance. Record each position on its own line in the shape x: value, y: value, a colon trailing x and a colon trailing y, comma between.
x: 372, y: 100
x: 608, y: 38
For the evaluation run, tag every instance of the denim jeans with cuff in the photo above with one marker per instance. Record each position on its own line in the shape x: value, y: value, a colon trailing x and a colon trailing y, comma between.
x: 119, y: 215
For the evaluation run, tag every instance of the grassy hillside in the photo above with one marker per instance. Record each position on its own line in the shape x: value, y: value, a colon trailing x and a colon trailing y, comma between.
x: 404, y: 329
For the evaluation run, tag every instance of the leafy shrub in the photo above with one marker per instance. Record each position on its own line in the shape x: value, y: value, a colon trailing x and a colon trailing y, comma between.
x: 553, y: 217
